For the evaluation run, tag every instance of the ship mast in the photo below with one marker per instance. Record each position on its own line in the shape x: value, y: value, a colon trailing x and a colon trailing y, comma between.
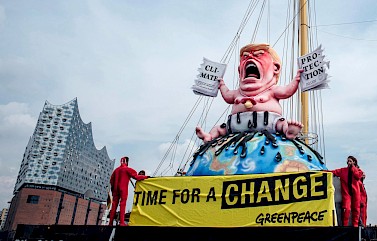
x: 304, y: 50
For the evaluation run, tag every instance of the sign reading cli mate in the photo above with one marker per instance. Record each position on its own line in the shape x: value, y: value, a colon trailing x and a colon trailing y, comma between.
x: 314, y: 76
x: 207, y: 83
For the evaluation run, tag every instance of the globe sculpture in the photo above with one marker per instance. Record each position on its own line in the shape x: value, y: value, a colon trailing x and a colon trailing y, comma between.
x: 254, y: 153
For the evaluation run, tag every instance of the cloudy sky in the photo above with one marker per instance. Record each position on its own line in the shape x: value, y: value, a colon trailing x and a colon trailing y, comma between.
x: 131, y: 65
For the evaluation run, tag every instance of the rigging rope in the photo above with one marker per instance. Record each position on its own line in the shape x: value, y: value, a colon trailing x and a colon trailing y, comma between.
x: 175, y: 140
x: 258, y: 22
x: 250, y: 9
x: 225, y: 59
x: 342, y: 36
x: 334, y: 24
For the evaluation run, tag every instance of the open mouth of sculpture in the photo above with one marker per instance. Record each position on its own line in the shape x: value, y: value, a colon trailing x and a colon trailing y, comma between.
x: 252, y: 71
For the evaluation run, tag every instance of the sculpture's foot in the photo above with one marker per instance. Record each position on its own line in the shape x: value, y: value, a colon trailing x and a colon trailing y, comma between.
x: 206, y: 137
x: 294, y: 127
x: 281, y: 125
x: 218, y: 131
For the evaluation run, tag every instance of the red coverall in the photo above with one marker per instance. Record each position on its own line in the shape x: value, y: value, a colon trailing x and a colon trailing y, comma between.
x: 350, y: 193
x: 363, y: 204
x: 119, y: 187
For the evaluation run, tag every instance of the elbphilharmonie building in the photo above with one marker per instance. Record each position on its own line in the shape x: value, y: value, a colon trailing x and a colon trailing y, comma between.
x: 62, y: 162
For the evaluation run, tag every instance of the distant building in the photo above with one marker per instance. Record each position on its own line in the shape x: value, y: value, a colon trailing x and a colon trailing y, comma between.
x: 63, y: 178
x: 3, y: 217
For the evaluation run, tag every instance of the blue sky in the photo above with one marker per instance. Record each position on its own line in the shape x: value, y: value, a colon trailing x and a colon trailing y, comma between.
x: 131, y: 65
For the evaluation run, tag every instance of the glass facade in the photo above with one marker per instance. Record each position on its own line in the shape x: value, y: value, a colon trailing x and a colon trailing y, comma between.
x: 61, y: 153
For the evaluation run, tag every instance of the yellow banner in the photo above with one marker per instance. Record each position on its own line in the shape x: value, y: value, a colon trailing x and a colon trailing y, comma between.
x: 284, y: 199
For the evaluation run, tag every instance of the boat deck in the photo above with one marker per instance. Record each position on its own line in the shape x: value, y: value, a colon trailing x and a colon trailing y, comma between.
x: 146, y: 233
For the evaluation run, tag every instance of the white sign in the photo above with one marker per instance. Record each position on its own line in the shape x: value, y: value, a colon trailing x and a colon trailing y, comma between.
x: 315, y: 75
x: 207, y: 82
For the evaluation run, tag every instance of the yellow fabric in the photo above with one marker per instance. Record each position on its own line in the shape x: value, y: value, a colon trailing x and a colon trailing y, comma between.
x: 284, y: 199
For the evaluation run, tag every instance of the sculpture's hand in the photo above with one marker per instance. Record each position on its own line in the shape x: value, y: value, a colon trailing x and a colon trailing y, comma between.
x: 298, y: 75
x: 221, y: 82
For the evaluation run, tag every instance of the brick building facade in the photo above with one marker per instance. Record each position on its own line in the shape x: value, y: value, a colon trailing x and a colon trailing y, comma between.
x: 48, y: 207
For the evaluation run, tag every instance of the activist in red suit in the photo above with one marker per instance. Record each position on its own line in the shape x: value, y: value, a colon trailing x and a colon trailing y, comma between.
x: 363, y: 202
x: 119, y: 188
x: 350, y: 177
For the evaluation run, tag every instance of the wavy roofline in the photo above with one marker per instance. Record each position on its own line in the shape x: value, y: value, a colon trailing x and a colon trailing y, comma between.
x: 75, y: 101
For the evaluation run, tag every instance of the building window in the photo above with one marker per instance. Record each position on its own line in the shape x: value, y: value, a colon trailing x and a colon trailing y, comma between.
x: 32, y: 199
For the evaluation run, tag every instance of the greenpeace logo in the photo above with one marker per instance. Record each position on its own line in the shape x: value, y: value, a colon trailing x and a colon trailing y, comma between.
x: 276, y: 190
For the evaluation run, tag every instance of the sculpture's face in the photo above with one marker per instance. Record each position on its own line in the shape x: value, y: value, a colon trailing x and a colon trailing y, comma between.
x: 257, y: 70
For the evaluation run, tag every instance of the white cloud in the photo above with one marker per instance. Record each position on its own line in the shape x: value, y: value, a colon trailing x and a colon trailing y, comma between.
x: 16, y: 126
x: 6, y: 188
x: 15, y: 117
